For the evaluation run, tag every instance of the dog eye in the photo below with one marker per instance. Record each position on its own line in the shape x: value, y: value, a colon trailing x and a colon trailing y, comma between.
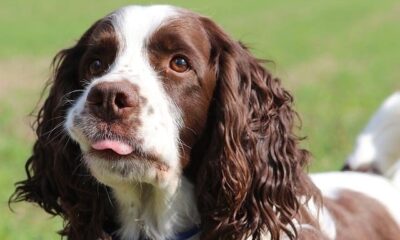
x: 179, y: 64
x: 96, y: 67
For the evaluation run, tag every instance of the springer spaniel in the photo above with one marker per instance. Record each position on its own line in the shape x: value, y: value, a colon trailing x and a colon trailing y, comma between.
x: 377, y: 148
x: 159, y: 126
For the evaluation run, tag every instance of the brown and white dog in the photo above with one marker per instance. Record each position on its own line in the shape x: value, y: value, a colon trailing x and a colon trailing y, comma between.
x: 159, y: 126
x: 377, y: 147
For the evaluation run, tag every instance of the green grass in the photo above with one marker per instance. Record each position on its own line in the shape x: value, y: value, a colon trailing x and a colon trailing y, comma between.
x: 340, y: 59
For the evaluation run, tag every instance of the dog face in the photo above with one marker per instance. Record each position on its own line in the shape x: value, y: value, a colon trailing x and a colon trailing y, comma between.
x: 146, y: 87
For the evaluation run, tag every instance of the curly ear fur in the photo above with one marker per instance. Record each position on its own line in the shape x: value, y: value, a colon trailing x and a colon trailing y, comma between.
x: 56, y: 178
x: 252, y: 176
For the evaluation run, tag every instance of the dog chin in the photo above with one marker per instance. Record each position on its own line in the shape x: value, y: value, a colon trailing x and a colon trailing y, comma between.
x: 117, y: 172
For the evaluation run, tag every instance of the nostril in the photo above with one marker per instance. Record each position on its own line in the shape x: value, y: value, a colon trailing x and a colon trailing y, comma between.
x: 121, y: 100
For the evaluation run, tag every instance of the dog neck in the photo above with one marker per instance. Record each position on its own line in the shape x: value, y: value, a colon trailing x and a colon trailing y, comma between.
x: 155, y: 213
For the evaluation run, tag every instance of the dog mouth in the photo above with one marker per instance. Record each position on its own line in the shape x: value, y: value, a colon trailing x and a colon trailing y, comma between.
x: 114, y: 151
x: 117, y: 147
x: 104, y: 149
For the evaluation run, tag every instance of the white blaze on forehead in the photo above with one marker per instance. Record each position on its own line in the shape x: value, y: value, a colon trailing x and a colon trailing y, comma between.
x: 136, y: 24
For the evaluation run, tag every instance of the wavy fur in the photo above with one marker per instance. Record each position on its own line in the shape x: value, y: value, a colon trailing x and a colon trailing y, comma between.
x: 56, y: 178
x: 253, y: 146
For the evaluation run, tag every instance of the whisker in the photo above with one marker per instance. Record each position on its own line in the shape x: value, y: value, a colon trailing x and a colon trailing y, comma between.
x: 85, y: 82
x: 191, y: 129
x: 71, y: 92
x: 75, y: 91
x: 108, y: 196
x: 48, y: 133
x: 81, y: 162
x: 184, y: 144
x: 61, y: 132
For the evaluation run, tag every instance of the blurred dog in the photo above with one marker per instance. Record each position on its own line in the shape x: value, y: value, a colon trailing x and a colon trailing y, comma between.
x: 378, y: 145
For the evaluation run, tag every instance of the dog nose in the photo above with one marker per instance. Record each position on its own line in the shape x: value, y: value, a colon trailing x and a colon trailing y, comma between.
x: 113, y: 100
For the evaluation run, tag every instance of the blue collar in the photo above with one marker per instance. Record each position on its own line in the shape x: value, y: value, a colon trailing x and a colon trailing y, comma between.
x: 187, y: 234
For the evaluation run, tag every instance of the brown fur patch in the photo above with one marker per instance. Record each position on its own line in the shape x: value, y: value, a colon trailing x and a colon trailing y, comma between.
x: 192, y: 90
x: 358, y: 216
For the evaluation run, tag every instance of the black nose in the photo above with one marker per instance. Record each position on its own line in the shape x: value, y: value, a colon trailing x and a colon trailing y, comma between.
x: 113, y: 100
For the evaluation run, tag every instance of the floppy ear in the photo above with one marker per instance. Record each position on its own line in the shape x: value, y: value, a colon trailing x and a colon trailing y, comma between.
x: 251, y: 175
x: 56, y: 178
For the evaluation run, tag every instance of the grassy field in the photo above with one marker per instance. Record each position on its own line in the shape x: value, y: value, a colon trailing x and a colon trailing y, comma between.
x: 340, y: 59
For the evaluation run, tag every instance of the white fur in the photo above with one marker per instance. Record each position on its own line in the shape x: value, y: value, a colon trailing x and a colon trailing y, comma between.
x: 373, y: 186
x: 330, y: 185
x: 163, y: 207
x: 325, y: 220
x: 135, y: 24
x: 379, y: 143
x: 159, y: 213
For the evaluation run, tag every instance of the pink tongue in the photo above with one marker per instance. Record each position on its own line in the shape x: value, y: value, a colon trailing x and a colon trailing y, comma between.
x: 118, y: 147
